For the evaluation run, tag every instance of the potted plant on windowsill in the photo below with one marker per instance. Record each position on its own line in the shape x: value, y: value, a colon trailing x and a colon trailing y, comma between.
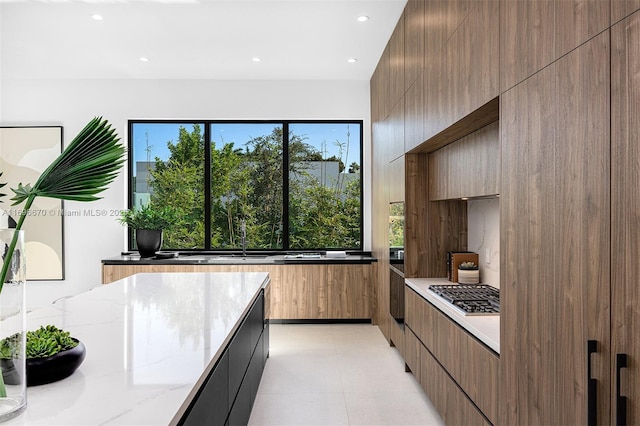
x: 84, y: 169
x: 149, y: 222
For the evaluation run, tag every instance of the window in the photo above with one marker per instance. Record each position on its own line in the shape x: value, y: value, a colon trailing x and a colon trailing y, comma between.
x: 291, y: 185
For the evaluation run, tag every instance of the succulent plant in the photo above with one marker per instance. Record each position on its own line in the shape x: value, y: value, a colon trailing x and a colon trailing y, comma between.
x: 41, y: 343
x: 469, y: 266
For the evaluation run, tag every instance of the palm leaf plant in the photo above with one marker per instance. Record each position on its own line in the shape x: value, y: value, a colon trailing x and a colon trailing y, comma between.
x: 83, y: 170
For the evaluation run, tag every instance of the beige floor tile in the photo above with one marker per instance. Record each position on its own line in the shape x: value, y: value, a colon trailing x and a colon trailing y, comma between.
x: 299, y: 409
x: 301, y: 372
x: 337, y: 374
x: 390, y: 408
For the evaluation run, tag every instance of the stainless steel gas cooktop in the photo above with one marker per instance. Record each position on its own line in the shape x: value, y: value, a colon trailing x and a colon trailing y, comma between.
x: 471, y: 299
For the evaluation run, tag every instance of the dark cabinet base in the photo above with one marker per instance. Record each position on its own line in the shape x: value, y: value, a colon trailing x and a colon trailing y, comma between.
x: 227, y: 396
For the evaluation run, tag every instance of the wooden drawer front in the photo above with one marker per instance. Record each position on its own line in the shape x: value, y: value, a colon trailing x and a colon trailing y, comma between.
x: 413, y: 352
x: 452, y: 404
x: 469, y: 362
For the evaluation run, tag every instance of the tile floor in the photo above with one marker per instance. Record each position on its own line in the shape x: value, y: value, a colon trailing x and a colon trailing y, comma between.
x: 337, y: 374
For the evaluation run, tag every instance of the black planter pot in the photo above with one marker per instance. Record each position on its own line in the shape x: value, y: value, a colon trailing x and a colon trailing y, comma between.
x: 45, y: 370
x: 149, y: 241
x: 55, y: 367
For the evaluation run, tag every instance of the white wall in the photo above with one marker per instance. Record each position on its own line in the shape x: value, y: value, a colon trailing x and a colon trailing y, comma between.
x: 484, y: 237
x: 72, y: 103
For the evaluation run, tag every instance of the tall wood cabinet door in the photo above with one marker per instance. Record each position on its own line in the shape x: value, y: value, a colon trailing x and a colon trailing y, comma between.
x: 534, y: 33
x: 625, y: 199
x: 555, y: 236
x: 526, y: 39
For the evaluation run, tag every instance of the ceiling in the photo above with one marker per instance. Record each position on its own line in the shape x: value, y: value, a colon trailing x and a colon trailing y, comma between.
x: 190, y: 39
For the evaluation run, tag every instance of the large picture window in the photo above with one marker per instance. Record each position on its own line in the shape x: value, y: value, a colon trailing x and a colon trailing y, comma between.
x: 289, y: 185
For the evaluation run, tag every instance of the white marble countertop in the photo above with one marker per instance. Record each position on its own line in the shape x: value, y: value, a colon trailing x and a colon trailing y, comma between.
x: 149, y: 338
x: 485, y: 327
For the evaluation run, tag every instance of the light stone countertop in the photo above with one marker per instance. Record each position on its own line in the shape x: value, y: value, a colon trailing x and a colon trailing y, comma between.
x: 149, y: 339
x: 485, y: 328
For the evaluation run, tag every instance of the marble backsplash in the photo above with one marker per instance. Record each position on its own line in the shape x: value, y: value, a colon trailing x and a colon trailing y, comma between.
x: 484, y: 237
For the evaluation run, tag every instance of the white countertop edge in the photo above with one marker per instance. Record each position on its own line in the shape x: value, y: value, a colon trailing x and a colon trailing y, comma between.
x: 485, y: 328
x: 182, y: 410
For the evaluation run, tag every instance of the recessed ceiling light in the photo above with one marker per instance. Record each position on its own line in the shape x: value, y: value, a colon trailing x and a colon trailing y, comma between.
x: 96, y: 17
x: 144, y: 59
x: 362, y: 18
x: 352, y: 60
x: 256, y: 59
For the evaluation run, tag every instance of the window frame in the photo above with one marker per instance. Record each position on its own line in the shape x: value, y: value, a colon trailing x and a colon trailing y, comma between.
x: 207, y: 123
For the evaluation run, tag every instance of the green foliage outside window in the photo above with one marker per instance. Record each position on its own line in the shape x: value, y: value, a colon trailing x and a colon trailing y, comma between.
x: 247, y: 184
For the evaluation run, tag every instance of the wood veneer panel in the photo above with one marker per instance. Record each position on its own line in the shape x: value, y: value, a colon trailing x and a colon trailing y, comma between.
x: 414, y: 39
x: 527, y: 253
x: 396, y: 181
x: 527, y: 42
x: 415, y: 210
x: 396, y: 63
x: 469, y: 167
x: 412, y: 353
x: 469, y: 363
x: 582, y: 209
x: 414, y: 115
x: 380, y: 227
x: 620, y: 9
x: 555, y: 234
x: 349, y: 291
x: 471, y: 62
x: 396, y: 335
x: 452, y: 404
x: 436, y: 28
x: 383, y: 83
x: 301, y: 293
x: 394, y: 128
x: 576, y: 21
x: 486, y: 114
x: 625, y: 207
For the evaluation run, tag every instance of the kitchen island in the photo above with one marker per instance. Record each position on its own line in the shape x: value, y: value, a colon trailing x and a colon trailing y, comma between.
x: 154, y: 343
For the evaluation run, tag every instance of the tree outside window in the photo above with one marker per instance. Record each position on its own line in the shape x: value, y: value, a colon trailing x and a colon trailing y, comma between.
x: 317, y: 206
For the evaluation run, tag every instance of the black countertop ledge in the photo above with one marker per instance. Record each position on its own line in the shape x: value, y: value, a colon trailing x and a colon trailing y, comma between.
x: 134, y: 258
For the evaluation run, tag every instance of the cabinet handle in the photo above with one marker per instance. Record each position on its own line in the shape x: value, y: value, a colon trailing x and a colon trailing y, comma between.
x: 592, y: 386
x: 621, y: 401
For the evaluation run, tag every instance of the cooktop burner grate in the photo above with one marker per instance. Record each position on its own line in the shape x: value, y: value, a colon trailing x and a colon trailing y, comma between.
x: 471, y: 299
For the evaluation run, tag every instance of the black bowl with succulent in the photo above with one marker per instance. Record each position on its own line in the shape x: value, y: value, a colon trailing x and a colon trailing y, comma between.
x: 52, y: 355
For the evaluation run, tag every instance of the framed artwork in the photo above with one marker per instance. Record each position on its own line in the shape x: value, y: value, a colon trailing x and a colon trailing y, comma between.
x: 25, y: 152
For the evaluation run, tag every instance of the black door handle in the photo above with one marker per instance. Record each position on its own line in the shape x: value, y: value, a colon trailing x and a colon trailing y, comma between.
x: 592, y: 386
x: 621, y: 401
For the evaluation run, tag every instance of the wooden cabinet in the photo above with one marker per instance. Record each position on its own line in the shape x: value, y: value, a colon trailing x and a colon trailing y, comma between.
x: 450, y: 364
x: 301, y: 293
x: 555, y: 236
x: 620, y: 9
x: 625, y: 209
x: 469, y: 167
x: 297, y: 291
x: 463, y: 74
x: 414, y: 30
x: 535, y: 33
x: 349, y: 292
